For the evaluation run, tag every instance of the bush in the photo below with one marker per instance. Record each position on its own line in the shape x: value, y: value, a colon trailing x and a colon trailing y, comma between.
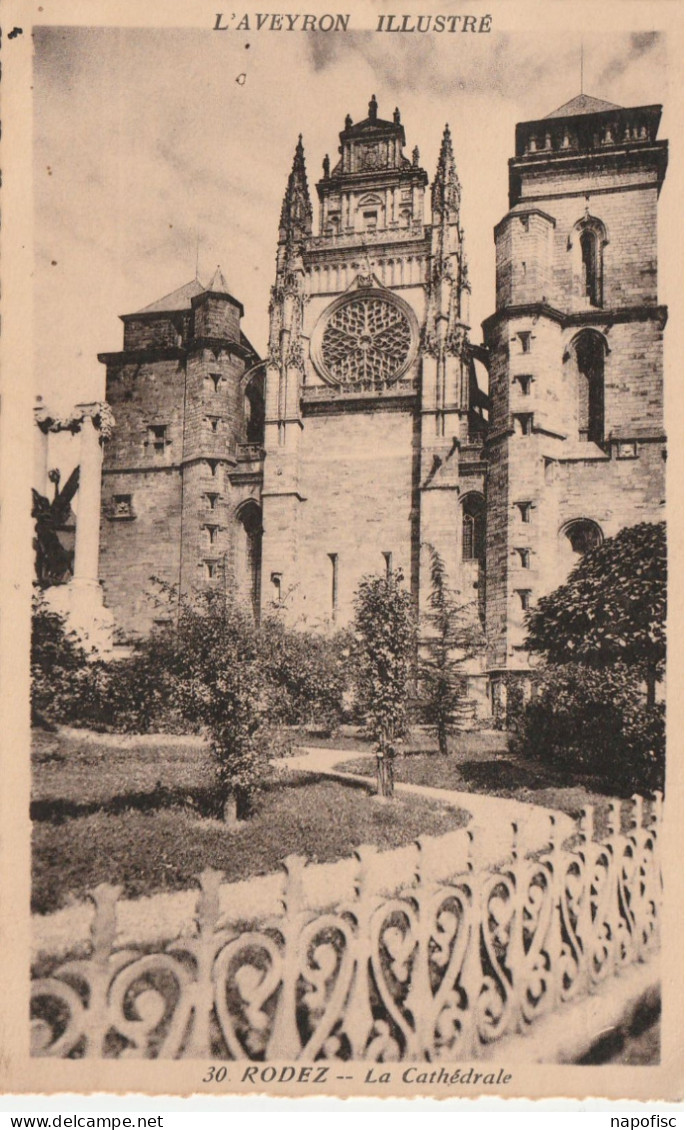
x: 133, y: 695
x: 59, y: 667
x: 68, y: 686
x: 594, y: 721
x: 613, y: 608
x: 157, y: 689
x: 306, y: 674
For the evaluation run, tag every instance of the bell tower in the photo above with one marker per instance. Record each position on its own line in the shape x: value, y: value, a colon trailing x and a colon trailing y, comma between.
x: 576, y: 446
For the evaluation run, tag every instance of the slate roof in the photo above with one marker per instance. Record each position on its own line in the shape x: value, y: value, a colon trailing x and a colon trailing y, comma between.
x: 178, y: 299
x: 219, y: 284
x: 583, y: 104
x: 181, y: 299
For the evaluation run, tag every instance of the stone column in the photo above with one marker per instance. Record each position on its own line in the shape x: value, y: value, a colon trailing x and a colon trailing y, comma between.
x: 88, y: 516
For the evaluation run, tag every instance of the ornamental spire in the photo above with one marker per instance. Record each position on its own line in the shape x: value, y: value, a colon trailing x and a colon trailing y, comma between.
x: 445, y: 190
x: 296, y: 210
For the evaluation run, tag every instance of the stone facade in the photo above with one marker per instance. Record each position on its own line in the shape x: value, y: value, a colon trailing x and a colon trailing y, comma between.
x: 366, y: 431
x: 575, y: 449
x: 374, y: 418
x: 180, y: 478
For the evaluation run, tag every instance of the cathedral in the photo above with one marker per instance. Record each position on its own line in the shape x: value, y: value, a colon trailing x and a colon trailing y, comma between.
x: 374, y: 423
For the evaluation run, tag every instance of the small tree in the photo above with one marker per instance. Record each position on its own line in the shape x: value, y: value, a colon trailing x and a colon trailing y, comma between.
x: 593, y: 720
x: 385, y: 631
x: 612, y: 609
x: 456, y: 635
x: 213, y: 654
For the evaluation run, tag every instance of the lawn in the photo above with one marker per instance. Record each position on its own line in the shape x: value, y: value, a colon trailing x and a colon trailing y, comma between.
x: 480, y: 763
x: 140, y: 813
x: 480, y: 743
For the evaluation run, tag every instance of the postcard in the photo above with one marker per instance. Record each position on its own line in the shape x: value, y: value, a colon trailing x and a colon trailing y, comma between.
x: 341, y: 551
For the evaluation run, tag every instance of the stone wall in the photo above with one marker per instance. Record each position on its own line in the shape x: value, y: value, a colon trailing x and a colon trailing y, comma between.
x: 135, y: 548
x: 538, y: 452
x: 173, y: 454
x: 356, y: 486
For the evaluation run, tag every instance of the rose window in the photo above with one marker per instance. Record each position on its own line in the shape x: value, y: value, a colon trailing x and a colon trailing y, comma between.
x: 365, y: 339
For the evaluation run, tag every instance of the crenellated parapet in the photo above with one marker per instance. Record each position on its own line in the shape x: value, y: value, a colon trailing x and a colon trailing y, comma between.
x: 589, y: 133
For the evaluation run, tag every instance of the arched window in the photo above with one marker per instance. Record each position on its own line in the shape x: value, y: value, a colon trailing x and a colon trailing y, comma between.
x: 586, y: 242
x: 588, y: 351
x: 583, y: 535
x: 249, y: 555
x: 254, y: 409
x: 473, y: 528
x: 590, y: 259
x: 575, y: 539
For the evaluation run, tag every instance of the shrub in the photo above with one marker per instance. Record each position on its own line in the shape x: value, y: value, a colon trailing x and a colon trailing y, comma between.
x: 594, y: 721
x: 612, y: 609
x: 306, y: 674
x: 132, y: 695
x: 59, y: 667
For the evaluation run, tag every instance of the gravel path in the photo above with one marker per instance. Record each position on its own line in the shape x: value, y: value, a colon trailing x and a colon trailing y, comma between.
x: 164, y: 915
x: 492, y: 817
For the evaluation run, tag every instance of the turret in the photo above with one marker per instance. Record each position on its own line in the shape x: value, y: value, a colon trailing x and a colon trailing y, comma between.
x: 216, y: 313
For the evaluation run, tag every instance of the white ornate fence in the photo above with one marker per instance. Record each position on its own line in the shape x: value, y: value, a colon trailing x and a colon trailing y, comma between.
x: 438, y: 971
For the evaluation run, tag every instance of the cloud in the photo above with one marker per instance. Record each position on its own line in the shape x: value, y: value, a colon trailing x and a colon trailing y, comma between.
x: 634, y: 47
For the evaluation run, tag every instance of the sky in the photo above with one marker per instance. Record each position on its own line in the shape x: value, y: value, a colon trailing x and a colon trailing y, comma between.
x: 148, y: 152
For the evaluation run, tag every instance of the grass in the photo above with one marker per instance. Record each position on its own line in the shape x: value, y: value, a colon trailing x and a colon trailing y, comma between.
x: 76, y: 773
x: 472, y: 767
x: 480, y: 742
x: 138, y: 813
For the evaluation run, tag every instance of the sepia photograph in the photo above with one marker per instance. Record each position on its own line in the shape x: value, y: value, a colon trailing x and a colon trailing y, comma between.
x: 355, y: 348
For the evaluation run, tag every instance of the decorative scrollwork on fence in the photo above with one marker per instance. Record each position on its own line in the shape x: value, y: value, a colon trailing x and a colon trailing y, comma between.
x: 435, y: 972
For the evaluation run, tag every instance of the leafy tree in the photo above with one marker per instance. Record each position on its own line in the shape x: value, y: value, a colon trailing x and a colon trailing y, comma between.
x: 455, y: 636
x: 213, y: 655
x: 612, y: 609
x: 385, y: 632
x: 593, y: 720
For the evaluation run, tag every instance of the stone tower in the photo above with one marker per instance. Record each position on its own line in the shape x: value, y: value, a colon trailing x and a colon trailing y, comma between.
x: 575, y: 449
x: 374, y: 419
x: 183, y: 470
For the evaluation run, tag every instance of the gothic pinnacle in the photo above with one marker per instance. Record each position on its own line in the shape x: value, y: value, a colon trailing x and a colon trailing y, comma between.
x: 445, y: 190
x: 296, y: 210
